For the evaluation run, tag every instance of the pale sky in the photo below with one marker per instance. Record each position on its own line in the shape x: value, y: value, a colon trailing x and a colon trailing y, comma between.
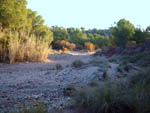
x: 99, y: 14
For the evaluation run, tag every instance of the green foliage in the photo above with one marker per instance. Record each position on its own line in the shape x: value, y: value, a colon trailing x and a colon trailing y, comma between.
x: 78, y: 37
x: 98, y: 39
x: 131, y: 96
x: 38, y: 28
x: 139, y: 36
x: 123, y: 32
x: 13, y: 14
x: 24, y: 37
x: 60, y: 33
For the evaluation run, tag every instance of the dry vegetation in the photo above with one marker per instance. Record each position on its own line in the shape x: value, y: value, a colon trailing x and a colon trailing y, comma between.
x: 64, y: 45
x: 14, y: 48
x: 89, y: 46
x: 131, y: 96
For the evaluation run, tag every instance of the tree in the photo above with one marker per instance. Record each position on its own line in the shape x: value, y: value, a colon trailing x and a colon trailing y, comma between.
x: 78, y: 37
x: 46, y: 34
x: 122, y: 32
x: 13, y: 14
x: 148, y: 29
x: 140, y: 36
x: 60, y: 33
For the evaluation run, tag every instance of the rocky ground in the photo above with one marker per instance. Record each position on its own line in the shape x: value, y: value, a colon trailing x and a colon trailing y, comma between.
x: 32, y: 83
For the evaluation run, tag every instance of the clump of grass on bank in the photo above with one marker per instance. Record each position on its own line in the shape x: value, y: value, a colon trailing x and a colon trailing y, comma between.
x: 78, y: 63
x: 125, y: 96
x: 141, y: 59
x: 59, y: 67
x: 31, y: 109
x: 16, y: 48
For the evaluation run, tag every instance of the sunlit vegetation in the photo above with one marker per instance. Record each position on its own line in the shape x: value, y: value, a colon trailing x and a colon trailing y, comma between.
x: 81, y: 36
x: 23, y: 35
x: 89, y: 46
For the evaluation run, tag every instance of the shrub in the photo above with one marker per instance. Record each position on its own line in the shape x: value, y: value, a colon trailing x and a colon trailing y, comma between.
x: 15, y: 49
x: 77, y: 63
x: 72, y: 46
x: 132, y: 96
x: 89, y: 46
x: 32, y: 109
x: 61, y: 44
x: 59, y: 67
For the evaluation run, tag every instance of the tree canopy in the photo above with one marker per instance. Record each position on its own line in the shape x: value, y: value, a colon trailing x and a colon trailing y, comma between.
x: 122, y: 32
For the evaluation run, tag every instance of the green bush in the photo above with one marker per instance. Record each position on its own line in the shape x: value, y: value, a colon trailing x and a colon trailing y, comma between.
x: 125, y: 96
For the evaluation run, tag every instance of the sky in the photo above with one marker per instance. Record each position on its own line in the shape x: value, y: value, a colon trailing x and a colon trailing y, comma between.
x: 90, y: 14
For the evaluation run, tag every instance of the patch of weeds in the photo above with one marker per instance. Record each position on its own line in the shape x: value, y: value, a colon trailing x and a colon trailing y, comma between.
x: 59, y: 67
x: 141, y: 59
x: 123, y: 96
x: 32, y: 109
x: 78, y: 63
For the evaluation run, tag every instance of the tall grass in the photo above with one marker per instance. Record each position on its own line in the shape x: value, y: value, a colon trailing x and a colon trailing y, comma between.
x: 19, y: 47
x: 124, y: 96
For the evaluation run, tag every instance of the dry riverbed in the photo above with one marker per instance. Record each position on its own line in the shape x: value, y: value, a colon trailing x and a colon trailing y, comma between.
x: 31, y: 83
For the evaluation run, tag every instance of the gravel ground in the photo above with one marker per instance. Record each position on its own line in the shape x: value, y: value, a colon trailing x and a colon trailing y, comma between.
x: 28, y: 83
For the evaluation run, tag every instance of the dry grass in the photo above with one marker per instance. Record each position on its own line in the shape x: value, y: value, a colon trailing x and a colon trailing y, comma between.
x: 64, y: 45
x: 14, y: 48
x: 89, y: 46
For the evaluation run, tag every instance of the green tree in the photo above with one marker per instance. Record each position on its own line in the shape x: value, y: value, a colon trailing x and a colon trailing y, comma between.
x: 139, y: 36
x: 122, y: 32
x: 13, y: 14
x: 46, y: 34
x: 36, y: 21
x: 60, y: 33
x: 78, y: 37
